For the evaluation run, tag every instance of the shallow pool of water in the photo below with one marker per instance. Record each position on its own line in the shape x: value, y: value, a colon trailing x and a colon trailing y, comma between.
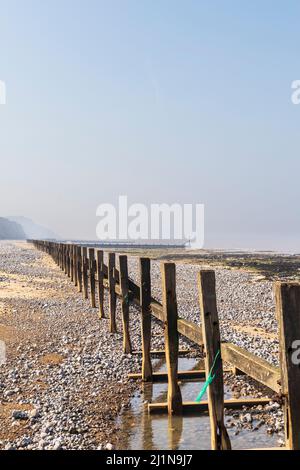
x: 141, y: 430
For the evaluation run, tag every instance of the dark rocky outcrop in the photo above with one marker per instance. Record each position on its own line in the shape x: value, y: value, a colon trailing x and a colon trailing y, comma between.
x: 10, y: 230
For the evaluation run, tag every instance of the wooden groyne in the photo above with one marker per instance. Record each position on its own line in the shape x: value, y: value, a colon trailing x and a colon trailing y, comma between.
x: 86, y: 268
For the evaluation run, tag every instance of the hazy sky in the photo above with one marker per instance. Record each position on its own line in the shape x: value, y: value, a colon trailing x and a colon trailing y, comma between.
x: 165, y: 101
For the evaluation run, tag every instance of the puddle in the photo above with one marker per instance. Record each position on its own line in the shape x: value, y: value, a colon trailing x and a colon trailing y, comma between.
x: 141, y: 430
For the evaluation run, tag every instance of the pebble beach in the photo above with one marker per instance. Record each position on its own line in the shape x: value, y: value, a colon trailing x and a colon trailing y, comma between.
x: 65, y: 379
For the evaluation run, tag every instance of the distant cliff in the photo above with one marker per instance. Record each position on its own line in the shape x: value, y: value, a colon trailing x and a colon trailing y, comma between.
x: 10, y: 230
x: 33, y: 230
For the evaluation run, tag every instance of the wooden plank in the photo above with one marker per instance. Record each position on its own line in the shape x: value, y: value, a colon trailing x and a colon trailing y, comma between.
x: 168, y: 273
x: 185, y: 375
x: 112, y: 292
x: 145, y: 299
x: 162, y: 352
x: 213, y: 359
x: 84, y: 272
x: 252, y: 365
x: 92, y: 269
x: 123, y: 270
x: 194, y: 407
x: 288, y: 313
x: 100, y: 277
x: 163, y: 376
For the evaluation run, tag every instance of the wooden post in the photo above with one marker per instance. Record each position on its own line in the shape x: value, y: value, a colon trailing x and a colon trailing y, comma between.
x: 61, y: 256
x: 79, y: 269
x: 64, y: 257
x: 71, y: 262
x: 288, y: 314
x: 100, y: 277
x: 168, y: 272
x: 112, y: 292
x: 123, y: 270
x: 145, y: 301
x: 212, y: 344
x: 84, y: 272
x: 68, y: 260
x: 92, y: 276
x: 75, y: 265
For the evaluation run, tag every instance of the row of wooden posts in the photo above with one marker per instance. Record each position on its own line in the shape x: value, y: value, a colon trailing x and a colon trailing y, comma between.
x: 86, y: 268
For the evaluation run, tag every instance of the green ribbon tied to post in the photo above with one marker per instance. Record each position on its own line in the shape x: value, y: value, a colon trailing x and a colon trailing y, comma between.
x: 211, y: 376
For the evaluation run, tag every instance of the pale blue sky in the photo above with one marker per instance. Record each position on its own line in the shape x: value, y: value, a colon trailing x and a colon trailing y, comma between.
x: 165, y: 101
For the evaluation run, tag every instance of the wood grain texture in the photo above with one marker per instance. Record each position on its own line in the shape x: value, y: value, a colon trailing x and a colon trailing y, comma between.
x: 112, y: 292
x: 123, y: 270
x: 145, y: 301
x: 168, y: 273
x: 287, y: 297
x: 92, y: 270
x: 79, y: 269
x: 212, y: 346
x: 100, y: 286
x: 84, y: 272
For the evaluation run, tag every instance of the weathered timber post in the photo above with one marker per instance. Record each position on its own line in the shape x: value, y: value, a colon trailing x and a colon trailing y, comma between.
x: 288, y: 314
x: 145, y: 301
x: 112, y: 292
x: 168, y: 272
x: 68, y: 260
x: 71, y: 262
x: 63, y: 257
x: 100, y: 277
x: 84, y: 272
x: 123, y: 277
x: 213, y: 360
x: 60, y: 256
x: 79, y: 269
x: 92, y: 276
x: 75, y: 265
